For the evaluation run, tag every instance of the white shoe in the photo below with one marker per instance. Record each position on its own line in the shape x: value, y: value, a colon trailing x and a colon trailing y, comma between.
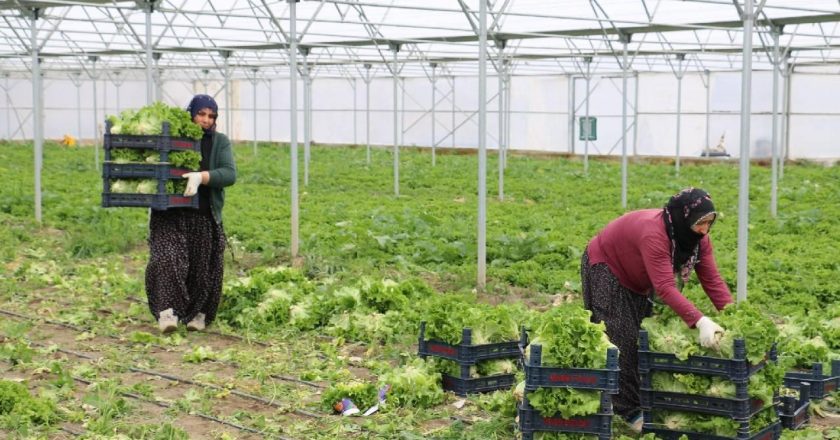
x: 197, y: 323
x: 636, y: 423
x: 168, y: 322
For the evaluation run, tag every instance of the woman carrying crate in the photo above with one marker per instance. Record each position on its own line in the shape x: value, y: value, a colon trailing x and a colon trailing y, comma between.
x: 641, y: 253
x: 186, y: 246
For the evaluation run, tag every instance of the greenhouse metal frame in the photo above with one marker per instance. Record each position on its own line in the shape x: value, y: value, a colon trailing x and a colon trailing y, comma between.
x: 436, y: 39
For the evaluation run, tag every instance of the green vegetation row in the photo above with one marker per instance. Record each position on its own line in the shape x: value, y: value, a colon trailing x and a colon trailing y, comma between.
x: 356, y: 236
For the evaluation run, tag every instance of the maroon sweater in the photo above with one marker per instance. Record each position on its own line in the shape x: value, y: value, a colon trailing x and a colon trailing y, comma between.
x: 637, y: 250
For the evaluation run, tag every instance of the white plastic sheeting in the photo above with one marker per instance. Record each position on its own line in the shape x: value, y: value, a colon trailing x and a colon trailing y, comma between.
x: 539, y: 111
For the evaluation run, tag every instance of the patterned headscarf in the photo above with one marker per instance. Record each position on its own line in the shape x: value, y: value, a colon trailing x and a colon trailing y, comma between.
x: 200, y: 102
x: 683, y: 210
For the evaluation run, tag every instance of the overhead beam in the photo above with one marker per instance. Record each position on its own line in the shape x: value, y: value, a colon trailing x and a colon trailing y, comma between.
x: 361, y: 61
x: 467, y: 38
x: 729, y: 24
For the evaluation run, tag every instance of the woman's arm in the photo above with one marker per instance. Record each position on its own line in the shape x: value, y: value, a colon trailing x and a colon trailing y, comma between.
x: 656, y: 257
x: 223, y: 172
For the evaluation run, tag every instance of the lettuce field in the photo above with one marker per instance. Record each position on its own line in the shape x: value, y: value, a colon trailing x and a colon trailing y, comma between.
x: 81, y: 356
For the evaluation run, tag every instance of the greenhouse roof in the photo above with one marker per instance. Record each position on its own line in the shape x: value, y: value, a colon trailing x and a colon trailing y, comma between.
x: 537, y: 37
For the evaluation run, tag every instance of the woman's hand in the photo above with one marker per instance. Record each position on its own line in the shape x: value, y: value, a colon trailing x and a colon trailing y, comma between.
x: 708, y: 331
x: 194, y: 179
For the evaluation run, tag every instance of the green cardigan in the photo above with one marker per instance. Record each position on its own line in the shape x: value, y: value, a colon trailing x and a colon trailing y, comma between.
x: 222, y: 173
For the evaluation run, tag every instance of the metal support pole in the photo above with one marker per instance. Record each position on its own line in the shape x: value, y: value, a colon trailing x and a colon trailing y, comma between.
x: 270, y: 113
x: 708, y: 84
x: 636, y: 114
x: 396, y: 48
x: 150, y: 5
x: 774, y: 161
x: 680, y: 72
x: 293, y: 126
x: 8, y: 108
x: 307, y: 133
x: 505, y: 109
x: 434, y: 105
x: 308, y: 120
x: 625, y: 39
x: 788, y: 76
x: 744, y: 175
x: 93, y: 59
x: 502, y: 71
x: 355, y: 112
x: 158, y: 76
x: 482, y: 148
x: 37, y: 133
x: 508, y: 84
x: 571, y: 122
x: 454, y: 127
x: 501, y: 102
x: 587, y: 125
x: 228, y: 108
x: 402, y: 110
x: 78, y: 84
x: 367, y: 112
x: 255, y: 70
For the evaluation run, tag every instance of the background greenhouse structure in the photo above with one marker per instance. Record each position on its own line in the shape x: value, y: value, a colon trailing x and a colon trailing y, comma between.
x: 241, y: 52
x: 681, y: 81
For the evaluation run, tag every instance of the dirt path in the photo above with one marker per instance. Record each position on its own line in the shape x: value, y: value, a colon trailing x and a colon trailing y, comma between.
x: 211, y: 388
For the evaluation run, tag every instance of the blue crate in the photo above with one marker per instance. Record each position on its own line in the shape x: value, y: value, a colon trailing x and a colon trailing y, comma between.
x: 472, y: 385
x: 465, y: 353
x: 157, y: 202
x: 162, y: 171
x: 741, y: 406
x: 771, y: 432
x: 739, y: 409
x: 111, y: 170
x: 164, y: 143
x: 177, y: 173
x: 793, y: 412
x: 736, y: 369
x: 600, y: 424
x: 821, y: 385
x: 538, y: 376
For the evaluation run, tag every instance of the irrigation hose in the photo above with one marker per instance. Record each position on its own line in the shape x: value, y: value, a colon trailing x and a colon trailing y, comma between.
x: 233, y: 364
x: 153, y: 402
x: 177, y: 379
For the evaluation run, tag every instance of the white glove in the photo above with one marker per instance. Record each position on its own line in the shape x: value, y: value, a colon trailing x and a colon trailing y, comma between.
x: 192, y: 183
x: 708, y: 331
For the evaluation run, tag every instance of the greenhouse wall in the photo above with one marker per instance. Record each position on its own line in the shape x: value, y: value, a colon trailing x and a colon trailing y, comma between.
x: 539, y: 118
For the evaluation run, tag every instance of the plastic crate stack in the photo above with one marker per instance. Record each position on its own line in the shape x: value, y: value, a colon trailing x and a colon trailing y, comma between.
x: 738, y: 370
x: 162, y: 171
x: 467, y: 355
x: 793, y: 412
x: 539, y: 376
x: 821, y: 385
